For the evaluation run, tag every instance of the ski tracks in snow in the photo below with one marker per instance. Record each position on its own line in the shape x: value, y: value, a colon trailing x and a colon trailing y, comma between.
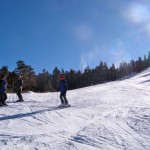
x: 114, y: 115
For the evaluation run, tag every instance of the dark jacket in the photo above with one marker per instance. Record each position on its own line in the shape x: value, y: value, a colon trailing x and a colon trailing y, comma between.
x: 18, y: 86
x: 3, y: 86
x: 63, y: 86
x: 19, y: 83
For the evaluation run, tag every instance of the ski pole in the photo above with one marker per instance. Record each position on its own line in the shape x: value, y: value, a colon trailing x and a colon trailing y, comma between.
x: 57, y: 99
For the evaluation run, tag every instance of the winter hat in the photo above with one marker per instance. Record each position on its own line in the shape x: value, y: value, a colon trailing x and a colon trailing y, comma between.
x: 62, y: 77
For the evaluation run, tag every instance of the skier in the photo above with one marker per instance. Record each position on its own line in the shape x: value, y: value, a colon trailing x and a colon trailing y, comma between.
x: 3, y: 95
x: 63, y: 90
x: 18, y: 88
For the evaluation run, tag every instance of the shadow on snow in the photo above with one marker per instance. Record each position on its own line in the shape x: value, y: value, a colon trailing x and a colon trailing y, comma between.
x: 17, y: 116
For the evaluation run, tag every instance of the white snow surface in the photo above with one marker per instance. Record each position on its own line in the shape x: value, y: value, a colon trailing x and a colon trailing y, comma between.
x: 111, y: 116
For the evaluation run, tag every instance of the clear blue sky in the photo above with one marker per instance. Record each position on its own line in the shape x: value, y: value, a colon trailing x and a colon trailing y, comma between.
x: 73, y: 34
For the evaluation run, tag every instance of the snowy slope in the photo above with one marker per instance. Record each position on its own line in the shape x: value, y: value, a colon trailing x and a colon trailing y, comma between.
x: 111, y: 116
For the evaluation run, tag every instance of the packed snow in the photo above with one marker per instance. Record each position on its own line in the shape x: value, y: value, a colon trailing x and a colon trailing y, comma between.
x: 111, y: 116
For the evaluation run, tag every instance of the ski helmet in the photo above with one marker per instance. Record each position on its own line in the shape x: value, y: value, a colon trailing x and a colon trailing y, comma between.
x: 62, y: 77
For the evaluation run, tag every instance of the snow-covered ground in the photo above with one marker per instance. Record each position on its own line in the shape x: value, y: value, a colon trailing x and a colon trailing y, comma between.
x: 111, y: 116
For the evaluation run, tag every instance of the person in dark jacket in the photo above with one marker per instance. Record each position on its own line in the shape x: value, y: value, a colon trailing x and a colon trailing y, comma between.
x: 3, y: 87
x: 18, y: 88
x: 63, y: 90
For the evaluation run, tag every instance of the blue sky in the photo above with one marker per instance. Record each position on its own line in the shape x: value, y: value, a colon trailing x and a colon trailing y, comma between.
x: 73, y: 34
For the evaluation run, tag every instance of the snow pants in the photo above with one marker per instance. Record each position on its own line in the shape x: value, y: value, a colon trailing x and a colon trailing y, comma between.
x: 63, y: 97
x: 19, y: 91
x: 3, y: 97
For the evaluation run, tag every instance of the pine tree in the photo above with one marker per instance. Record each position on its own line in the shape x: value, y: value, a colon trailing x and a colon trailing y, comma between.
x: 139, y: 65
x: 71, y: 79
x: 148, y: 60
x: 112, y: 73
x: 4, y: 71
x: 27, y: 73
x: 43, y: 82
x: 55, y: 77
x: 133, y: 66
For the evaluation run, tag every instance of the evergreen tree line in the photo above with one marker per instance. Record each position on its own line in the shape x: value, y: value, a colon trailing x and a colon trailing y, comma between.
x: 45, y: 81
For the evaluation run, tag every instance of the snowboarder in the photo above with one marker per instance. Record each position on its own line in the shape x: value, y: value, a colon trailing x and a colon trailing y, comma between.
x: 63, y: 90
x: 18, y: 89
x: 3, y: 87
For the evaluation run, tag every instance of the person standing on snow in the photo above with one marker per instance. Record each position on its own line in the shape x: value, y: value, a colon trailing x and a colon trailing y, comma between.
x: 63, y: 90
x: 3, y: 87
x: 18, y: 88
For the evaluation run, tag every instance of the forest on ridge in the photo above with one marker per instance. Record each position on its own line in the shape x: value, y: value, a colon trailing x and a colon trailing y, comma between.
x: 48, y: 82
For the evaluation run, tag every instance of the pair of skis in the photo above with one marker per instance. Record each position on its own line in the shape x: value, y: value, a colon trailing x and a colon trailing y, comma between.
x: 64, y: 106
